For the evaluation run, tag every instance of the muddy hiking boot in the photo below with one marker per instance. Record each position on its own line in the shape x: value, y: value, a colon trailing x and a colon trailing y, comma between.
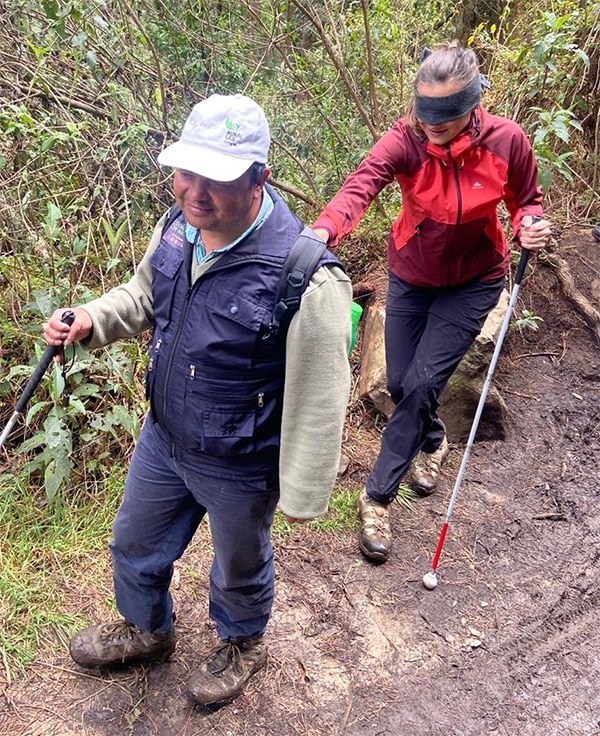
x: 425, y: 469
x: 225, y: 671
x: 375, y: 536
x: 119, y: 642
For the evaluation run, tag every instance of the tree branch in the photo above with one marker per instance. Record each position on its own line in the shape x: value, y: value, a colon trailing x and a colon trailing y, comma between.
x: 339, y: 65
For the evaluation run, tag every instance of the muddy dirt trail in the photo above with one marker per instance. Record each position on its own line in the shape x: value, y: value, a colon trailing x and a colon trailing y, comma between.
x: 507, y: 644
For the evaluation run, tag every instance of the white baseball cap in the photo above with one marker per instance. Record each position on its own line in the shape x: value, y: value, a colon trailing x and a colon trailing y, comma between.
x: 222, y: 137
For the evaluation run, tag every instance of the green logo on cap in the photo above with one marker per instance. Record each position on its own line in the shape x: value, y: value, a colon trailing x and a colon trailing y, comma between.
x: 230, y: 125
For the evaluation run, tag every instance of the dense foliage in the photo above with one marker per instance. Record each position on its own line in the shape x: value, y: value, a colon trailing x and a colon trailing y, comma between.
x: 93, y: 89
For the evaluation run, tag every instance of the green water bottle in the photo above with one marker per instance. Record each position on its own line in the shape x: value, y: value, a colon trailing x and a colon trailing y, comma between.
x: 355, y: 315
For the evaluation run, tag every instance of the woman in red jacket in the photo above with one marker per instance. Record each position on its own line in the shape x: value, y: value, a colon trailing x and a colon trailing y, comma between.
x: 447, y: 257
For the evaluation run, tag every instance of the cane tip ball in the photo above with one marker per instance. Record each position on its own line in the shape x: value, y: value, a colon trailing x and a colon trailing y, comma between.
x: 430, y: 580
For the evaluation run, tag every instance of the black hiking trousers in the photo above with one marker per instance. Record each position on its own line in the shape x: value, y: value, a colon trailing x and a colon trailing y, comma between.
x: 427, y: 333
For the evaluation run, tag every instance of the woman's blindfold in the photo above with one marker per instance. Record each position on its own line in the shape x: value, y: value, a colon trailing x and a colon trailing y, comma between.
x: 435, y: 110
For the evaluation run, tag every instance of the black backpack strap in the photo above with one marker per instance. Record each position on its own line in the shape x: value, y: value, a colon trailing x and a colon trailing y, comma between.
x: 301, y: 263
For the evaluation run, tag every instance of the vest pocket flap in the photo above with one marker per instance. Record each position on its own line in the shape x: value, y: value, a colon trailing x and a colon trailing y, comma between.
x: 227, y: 423
x: 167, y: 260
x: 240, y: 308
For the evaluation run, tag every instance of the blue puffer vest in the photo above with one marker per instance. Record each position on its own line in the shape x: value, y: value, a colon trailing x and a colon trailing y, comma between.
x: 214, y: 380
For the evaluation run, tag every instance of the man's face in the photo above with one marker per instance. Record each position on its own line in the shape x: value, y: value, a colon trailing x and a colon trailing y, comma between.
x: 222, y: 209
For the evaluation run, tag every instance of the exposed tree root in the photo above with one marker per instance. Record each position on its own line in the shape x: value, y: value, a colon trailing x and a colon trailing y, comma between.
x: 581, y: 303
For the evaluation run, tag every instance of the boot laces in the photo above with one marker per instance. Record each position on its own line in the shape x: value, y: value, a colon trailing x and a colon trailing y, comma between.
x: 117, y: 631
x: 224, y: 656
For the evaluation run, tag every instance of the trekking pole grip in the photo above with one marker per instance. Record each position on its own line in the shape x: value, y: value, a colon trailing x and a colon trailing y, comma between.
x: 68, y: 318
x: 525, y: 252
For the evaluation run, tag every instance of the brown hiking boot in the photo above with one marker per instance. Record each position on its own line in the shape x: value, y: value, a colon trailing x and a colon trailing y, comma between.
x: 425, y: 469
x: 225, y: 671
x: 375, y: 536
x: 120, y: 642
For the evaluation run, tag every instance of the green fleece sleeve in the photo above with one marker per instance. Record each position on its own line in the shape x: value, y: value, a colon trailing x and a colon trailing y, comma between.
x: 317, y: 386
x: 126, y: 310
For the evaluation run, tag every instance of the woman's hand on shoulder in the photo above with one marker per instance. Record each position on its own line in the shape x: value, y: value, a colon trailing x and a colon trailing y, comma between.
x: 322, y: 233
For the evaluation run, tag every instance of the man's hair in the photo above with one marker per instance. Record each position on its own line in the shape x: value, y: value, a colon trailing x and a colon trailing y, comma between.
x: 257, y: 172
x: 447, y: 62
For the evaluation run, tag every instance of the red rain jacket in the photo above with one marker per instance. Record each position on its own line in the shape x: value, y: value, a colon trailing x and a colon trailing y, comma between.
x: 448, y: 231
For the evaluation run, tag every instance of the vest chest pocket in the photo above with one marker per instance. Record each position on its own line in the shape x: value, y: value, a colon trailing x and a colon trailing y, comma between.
x: 240, y: 307
x: 166, y: 262
x: 235, y: 319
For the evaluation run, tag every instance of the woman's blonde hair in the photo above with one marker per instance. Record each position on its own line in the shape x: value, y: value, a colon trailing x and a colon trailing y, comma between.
x: 448, y: 61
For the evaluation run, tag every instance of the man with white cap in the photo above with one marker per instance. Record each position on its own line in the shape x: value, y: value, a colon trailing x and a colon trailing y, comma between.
x: 240, y: 418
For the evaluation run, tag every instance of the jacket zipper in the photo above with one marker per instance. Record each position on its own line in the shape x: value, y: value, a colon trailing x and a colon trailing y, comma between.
x: 455, y: 172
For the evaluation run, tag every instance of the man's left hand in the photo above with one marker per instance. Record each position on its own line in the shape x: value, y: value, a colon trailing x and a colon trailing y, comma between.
x: 294, y: 520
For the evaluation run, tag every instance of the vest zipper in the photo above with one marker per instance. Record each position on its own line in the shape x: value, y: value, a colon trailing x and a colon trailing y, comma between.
x: 156, y: 349
x: 182, y: 321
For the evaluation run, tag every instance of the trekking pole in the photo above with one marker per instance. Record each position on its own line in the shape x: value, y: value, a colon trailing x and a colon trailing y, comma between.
x: 68, y: 318
x: 430, y: 578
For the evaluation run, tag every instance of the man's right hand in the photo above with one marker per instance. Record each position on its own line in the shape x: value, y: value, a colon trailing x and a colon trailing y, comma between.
x: 57, y: 332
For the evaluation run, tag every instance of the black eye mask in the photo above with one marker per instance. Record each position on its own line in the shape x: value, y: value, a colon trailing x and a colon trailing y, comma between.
x: 435, y: 110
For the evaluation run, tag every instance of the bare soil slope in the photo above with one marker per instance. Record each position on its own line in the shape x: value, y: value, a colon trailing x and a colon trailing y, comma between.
x: 507, y: 644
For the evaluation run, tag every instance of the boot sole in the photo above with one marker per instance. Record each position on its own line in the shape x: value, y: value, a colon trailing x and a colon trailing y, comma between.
x: 211, y: 707
x: 118, y: 663
x: 421, y: 491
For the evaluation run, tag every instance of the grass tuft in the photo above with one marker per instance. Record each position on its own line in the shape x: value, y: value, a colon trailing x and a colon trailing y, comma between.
x: 342, y: 514
x: 45, y: 550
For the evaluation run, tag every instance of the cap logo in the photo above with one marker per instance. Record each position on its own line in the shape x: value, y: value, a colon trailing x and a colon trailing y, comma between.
x: 230, y: 125
x: 232, y: 136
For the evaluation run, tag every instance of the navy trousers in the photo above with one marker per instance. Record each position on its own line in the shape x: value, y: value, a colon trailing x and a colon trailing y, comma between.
x: 427, y: 333
x: 166, y: 496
